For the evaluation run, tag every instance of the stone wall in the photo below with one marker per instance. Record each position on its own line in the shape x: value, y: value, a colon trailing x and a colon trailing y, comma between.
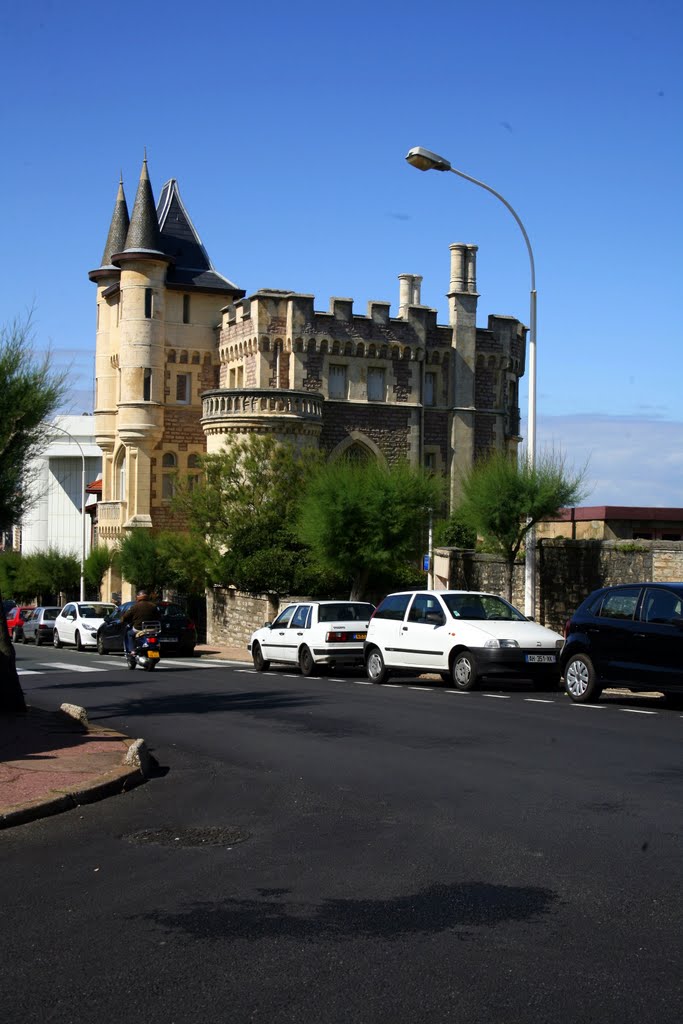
x: 232, y: 616
x: 567, y: 572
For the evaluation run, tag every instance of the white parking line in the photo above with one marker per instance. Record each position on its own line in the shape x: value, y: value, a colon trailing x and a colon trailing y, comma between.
x: 638, y: 711
x: 362, y: 682
x: 538, y: 700
x: 28, y: 672
x: 500, y: 696
x: 393, y: 686
x: 596, y: 707
x: 422, y: 689
x: 463, y: 693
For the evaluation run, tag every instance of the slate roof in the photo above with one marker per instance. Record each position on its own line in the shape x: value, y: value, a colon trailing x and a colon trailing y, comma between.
x: 118, y: 229
x: 178, y: 238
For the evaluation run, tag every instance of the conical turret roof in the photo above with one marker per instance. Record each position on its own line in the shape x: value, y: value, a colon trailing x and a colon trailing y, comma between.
x: 143, y: 231
x: 118, y: 229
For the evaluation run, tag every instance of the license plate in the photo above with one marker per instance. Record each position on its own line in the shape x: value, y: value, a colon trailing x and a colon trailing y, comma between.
x: 543, y: 659
x: 360, y: 636
x: 169, y: 639
x: 152, y: 654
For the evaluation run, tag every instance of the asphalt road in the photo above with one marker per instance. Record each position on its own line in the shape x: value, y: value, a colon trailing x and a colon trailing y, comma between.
x: 329, y: 851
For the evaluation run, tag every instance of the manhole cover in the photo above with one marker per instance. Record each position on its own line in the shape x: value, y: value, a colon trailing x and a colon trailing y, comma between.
x: 188, y: 836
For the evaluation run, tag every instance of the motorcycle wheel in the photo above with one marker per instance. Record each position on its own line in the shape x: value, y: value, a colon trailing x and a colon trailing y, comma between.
x: 149, y: 666
x: 131, y: 663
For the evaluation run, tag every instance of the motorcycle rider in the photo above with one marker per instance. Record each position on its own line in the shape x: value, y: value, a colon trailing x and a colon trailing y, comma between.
x: 143, y: 610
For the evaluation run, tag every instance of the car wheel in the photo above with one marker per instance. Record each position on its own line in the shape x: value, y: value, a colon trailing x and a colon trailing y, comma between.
x: 260, y: 664
x: 580, y: 680
x: 464, y: 671
x: 56, y: 642
x: 77, y: 641
x: 24, y: 638
x: 306, y: 662
x: 39, y: 641
x: 100, y: 644
x: 375, y: 668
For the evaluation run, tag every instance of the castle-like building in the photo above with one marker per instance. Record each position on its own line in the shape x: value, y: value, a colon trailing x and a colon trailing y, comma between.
x: 185, y: 362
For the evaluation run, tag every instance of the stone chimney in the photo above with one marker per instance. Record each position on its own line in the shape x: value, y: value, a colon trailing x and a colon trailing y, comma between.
x: 409, y: 293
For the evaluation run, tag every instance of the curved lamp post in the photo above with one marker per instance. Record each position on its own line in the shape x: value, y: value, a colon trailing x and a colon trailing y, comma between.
x: 53, y: 426
x: 425, y: 160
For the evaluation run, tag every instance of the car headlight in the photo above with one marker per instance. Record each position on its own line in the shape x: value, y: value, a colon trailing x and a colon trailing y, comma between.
x: 501, y: 643
x: 559, y: 644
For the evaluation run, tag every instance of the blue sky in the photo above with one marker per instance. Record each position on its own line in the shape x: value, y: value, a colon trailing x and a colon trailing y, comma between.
x: 287, y: 127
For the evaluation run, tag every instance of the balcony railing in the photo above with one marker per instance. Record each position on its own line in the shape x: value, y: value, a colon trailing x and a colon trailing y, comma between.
x: 247, y: 403
x: 111, y: 514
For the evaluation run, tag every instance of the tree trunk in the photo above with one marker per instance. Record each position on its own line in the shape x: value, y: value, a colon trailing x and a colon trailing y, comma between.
x: 510, y: 577
x: 11, y: 694
x: 359, y: 585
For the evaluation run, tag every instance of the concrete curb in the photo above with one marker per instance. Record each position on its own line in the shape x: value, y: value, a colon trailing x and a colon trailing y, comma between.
x: 136, y: 767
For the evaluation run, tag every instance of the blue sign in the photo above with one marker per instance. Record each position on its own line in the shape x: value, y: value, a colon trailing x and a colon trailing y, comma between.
x: 425, y: 563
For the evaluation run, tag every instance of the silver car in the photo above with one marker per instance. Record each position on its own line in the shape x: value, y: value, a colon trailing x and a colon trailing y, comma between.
x: 39, y: 626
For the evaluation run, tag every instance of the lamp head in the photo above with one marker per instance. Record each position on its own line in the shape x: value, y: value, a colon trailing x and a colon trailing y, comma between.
x: 425, y: 160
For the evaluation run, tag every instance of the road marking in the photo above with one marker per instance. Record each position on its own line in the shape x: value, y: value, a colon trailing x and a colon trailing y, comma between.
x: 595, y: 707
x: 500, y: 696
x: 463, y: 693
x: 539, y: 700
x: 362, y: 682
x: 422, y: 689
x: 68, y: 667
x: 393, y: 686
x: 638, y: 711
x: 28, y: 672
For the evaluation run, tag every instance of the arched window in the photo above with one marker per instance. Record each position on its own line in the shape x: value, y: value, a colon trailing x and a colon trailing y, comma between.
x: 120, y: 475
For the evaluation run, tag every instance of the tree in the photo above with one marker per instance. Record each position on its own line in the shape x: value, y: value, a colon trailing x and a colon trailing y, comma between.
x: 97, y: 564
x: 31, y: 392
x: 502, y: 499
x: 141, y: 561
x: 48, y: 574
x: 157, y: 560
x: 364, y: 520
x: 245, y: 505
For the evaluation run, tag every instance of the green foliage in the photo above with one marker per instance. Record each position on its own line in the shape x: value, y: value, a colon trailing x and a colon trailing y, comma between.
x: 10, y: 563
x: 454, y: 532
x: 245, y: 505
x: 364, y: 520
x: 97, y: 563
x: 31, y: 392
x: 164, y: 560
x: 46, y: 575
x: 502, y: 499
x: 140, y: 561
x: 187, y: 559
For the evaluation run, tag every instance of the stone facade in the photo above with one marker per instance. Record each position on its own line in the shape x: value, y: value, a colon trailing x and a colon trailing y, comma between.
x: 185, y: 364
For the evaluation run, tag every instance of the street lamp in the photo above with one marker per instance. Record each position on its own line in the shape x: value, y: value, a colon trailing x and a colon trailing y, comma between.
x: 425, y: 160
x: 53, y: 426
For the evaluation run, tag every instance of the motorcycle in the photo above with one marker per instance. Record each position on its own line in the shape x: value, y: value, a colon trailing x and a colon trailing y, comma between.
x: 146, y: 652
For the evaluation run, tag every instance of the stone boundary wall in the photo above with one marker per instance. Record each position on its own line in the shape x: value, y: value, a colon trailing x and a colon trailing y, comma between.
x: 567, y: 572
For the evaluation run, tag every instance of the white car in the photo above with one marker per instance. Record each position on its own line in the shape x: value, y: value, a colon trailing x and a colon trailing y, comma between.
x: 313, y: 633
x: 78, y: 622
x: 462, y: 635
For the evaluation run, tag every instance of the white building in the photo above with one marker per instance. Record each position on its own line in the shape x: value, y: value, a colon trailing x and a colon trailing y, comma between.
x: 55, y: 519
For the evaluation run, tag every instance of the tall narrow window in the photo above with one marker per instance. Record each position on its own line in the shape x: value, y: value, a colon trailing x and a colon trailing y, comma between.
x: 337, y: 382
x: 186, y: 309
x: 376, y: 388
x: 182, y: 388
x: 148, y: 303
x: 146, y: 385
x: 430, y: 389
x: 193, y: 469
x: 169, y: 464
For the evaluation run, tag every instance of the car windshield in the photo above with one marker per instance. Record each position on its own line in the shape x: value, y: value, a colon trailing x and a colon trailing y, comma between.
x: 480, y: 606
x: 345, y: 611
x: 94, y: 611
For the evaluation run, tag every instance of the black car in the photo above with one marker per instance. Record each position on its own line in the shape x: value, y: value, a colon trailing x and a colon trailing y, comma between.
x: 178, y: 631
x: 628, y: 636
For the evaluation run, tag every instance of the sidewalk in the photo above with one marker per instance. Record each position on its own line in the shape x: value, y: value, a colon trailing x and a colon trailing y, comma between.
x: 53, y: 761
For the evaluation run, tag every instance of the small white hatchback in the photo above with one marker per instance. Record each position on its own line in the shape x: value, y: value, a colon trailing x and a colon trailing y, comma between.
x: 77, y: 623
x: 313, y: 633
x: 462, y: 635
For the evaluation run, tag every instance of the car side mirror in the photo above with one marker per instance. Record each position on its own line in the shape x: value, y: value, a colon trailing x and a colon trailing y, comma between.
x: 531, y: 618
x: 267, y: 625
